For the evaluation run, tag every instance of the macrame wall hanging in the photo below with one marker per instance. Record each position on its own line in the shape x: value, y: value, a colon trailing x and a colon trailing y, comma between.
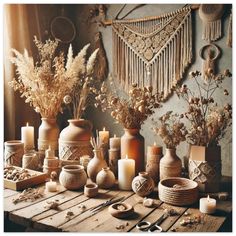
x: 152, y: 51
x: 210, y: 15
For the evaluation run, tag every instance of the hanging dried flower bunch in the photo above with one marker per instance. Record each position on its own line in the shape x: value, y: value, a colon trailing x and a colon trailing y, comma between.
x: 208, y: 121
x: 45, y: 83
x: 76, y: 100
x: 130, y: 112
x: 171, y: 129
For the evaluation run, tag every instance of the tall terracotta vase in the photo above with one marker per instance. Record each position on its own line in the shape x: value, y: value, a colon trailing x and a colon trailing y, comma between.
x: 74, y: 141
x: 48, y: 134
x: 132, y: 145
x: 205, y: 167
x: 96, y: 164
x: 170, y: 165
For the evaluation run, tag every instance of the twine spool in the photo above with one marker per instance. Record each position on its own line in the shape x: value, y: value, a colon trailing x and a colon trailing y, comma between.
x: 30, y: 161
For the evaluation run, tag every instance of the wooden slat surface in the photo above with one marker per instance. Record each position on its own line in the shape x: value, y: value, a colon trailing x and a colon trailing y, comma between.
x: 36, y: 217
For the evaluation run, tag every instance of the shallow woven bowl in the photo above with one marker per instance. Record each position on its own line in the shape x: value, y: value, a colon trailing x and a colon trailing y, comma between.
x: 185, y: 194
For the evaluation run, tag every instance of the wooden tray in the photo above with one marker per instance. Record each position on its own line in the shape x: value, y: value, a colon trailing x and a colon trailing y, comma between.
x: 23, y: 184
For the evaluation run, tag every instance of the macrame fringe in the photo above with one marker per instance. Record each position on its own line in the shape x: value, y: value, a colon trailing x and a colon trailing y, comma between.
x: 211, y: 30
x: 166, y: 67
x: 229, y: 34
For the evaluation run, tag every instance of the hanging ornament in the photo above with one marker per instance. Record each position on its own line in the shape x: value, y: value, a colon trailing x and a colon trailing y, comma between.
x: 153, y: 50
x: 209, y: 54
x: 210, y: 15
x: 229, y: 34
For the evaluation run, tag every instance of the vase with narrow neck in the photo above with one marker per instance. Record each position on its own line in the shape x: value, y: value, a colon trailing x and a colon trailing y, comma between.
x: 132, y: 145
x: 170, y: 164
x: 48, y: 134
x: 96, y: 164
x: 74, y: 141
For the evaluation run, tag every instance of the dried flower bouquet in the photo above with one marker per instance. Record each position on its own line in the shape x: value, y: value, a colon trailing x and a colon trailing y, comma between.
x: 208, y: 121
x: 45, y: 83
x: 170, y: 129
x: 130, y: 112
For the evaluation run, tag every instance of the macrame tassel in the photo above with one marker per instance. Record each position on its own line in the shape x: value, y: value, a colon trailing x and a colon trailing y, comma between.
x: 229, y: 34
x: 211, y: 30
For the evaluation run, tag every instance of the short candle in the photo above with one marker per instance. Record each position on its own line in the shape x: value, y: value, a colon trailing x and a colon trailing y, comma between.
x: 51, y: 186
x: 104, y: 136
x: 115, y: 142
x: 207, y: 205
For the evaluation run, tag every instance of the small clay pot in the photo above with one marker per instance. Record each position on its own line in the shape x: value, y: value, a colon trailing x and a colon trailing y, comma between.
x: 73, y: 177
x: 91, y: 190
x: 105, y: 178
x: 121, y: 210
x: 143, y: 184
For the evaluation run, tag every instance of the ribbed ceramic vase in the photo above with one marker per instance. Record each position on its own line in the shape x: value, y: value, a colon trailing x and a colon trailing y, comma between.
x: 74, y: 140
x: 170, y: 165
x: 96, y: 164
x: 48, y: 134
x: 132, y: 145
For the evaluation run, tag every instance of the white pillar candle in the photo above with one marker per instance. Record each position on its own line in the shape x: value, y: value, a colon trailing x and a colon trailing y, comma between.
x: 115, y: 142
x: 51, y: 186
x: 104, y: 136
x: 207, y: 205
x: 126, y: 173
x: 27, y: 136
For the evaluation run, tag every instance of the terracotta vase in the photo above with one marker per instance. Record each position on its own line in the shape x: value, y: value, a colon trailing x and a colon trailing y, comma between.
x: 74, y: 140
x: 14, y: 151
x: 73, y: 177
x: 48, y: 134
x: 170, y: 165
x: 96, y: 164
x: 154, y: 154
x: 143, y: 184
x: 205, y: 167
x: 105, y: 178
x: 132, y: 145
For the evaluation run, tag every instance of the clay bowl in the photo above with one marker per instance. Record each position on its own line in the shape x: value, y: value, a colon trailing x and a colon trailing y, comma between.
x: 178, y: 191
x: 121, y: 210
x: 91, y: 190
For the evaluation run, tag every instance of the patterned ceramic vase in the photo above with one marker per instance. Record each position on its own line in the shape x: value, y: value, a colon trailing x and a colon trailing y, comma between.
x: 170, y: 165
x: 132, y: 145
x: 143, y: 184
x: 74, y: 140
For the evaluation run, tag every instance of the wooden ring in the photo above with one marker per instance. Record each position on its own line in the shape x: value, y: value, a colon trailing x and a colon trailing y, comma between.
x: 209, y: 45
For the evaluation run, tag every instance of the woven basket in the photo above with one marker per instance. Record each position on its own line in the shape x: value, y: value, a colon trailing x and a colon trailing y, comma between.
x: 178, y: 191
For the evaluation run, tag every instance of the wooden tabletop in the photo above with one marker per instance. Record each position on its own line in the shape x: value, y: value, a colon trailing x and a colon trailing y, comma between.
x: 35, y: 216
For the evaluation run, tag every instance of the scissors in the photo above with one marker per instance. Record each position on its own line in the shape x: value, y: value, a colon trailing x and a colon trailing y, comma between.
x: 151, y: 227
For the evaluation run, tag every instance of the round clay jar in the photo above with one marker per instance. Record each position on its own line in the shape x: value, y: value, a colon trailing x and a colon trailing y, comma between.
x: 73, y: 177
x: 105, y: 178
x: 91, y: 190
x: 143, y: 184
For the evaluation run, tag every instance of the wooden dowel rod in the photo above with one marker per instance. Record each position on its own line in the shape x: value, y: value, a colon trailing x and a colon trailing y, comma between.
x: 109, y: 21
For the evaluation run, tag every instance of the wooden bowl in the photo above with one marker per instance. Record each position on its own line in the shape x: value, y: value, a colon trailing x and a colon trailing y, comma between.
x: 178, y: 191
x: 121, y: 210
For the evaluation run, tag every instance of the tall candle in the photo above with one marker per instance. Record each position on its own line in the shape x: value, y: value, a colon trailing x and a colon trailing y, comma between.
x: 115, y: 142
x: 104, y: 135
x: 27, y: 136
x: 207, y: 205
x: 126, y: 173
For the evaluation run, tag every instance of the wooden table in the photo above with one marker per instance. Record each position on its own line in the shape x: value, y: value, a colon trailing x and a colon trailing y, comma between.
x: 34, y: 216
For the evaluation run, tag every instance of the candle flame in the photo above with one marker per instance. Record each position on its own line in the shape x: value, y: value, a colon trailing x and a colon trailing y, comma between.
x: 114, y: 135
x: 208, y: 198
x: 27, y: 124
x: 155, y: 144
x: 126, y: 156
x: 104, y: 129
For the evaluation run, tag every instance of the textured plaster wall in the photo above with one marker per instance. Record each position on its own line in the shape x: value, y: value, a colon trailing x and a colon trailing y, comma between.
x: 86, y: 34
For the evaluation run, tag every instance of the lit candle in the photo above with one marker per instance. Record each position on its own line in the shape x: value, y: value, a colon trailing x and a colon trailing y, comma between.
x: 104, y: 136
x: 115, y: 142
x: 207, y: 205
x: 154, y: 150
x: 51, y: 186
x: 126, y: 173
x: 27, y: 136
